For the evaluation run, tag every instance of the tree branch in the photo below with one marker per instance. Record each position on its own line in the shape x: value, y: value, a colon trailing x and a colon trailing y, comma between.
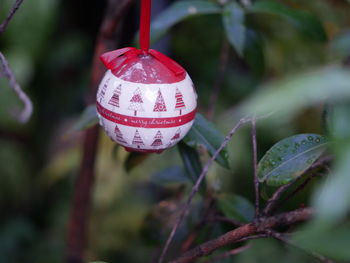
x: 11, y: 13
x: 255, y: 170
x: 276, y: 197
x: 6, y: 71
x: 195, y: 188
x: 106, y: 40
x: 246, y: 230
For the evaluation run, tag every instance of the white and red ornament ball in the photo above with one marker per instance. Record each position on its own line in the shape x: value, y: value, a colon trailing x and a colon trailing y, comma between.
x: 146, y: 102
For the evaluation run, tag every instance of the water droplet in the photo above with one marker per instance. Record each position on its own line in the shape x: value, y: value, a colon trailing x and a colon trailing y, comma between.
x: 317, y: 139
x: 273, y: 163
x: 303, y: 142
x: 192, y: 10
x: 280, y: 158
x: 296, y: 145
x: 310, y: 138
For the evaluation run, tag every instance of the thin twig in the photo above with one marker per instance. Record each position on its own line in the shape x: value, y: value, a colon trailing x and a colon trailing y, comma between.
x: 202, y: 223
x: 276, y: 197
x: 285, y: 239
x: 224, y: 55
x: 255, y: 170
x: 298, y: 189
x: 197, y: 184
x: 227, y: 254
x: 6, y: 72
x: 251, y: 229
x: 257, y: 236
x: 11, y: 13
x: 24, y: 116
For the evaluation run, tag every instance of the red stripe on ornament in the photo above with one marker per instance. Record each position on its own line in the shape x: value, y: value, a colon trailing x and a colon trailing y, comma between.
x: 145, y: 122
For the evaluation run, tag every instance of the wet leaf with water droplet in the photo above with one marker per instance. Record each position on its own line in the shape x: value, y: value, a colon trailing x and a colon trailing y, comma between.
x: 280, y: 167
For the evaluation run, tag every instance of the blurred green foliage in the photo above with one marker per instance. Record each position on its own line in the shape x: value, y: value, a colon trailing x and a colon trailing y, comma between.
x: 285, y: 61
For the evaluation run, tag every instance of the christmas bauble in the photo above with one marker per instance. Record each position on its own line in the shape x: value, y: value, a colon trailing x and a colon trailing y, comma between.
x: 146, y: 102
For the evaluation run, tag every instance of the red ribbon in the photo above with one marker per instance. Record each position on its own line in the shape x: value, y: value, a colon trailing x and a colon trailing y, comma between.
x: 145, y: 23
x: 112, y: 59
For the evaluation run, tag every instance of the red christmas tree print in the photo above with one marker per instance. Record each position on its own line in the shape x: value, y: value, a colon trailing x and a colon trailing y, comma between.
x: 137, y: 140
x: 103, y: 90
x: 175, y: 138
x: 177, y: 135
x: 136, y: 101
x: 119, y: 135
x: 159, y: 106
x: 157, y: 139
x: 114, y: 101
x: 180, y: 105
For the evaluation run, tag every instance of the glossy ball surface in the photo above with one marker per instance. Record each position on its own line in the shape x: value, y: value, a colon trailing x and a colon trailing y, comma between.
x: 144, y: 107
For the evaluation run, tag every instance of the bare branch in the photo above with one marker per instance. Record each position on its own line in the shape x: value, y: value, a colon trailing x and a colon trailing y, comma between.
x: 227, y: 254
x: 257, y: 236
x: 11, y: 13
x: 244, y: 231
x: 272, y: 202
x: 255, y: 170
x: 197, y: 184
x: 276, y: 197
x: 299, y: 188
x: 203, y: 222
x: 6, y: 71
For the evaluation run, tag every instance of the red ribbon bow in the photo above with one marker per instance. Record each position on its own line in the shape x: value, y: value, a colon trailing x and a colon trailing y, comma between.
x: 110, y: 59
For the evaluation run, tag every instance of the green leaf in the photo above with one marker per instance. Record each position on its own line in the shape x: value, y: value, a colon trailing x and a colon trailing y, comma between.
x: 204, y: 134
x: 306, y: 23
x: 179, y: 11
x: 338, y: 121
x: 290, y: 95
x: 87, y: 119
x: 134, y: 159
x: 233, y: 20
x: 328, y: 241
x: 174, y: 174
x: 332, y: 199
x: 236, y: 207
x: 340, y: 45
x: 191, y: 161
x: 290, y: 158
